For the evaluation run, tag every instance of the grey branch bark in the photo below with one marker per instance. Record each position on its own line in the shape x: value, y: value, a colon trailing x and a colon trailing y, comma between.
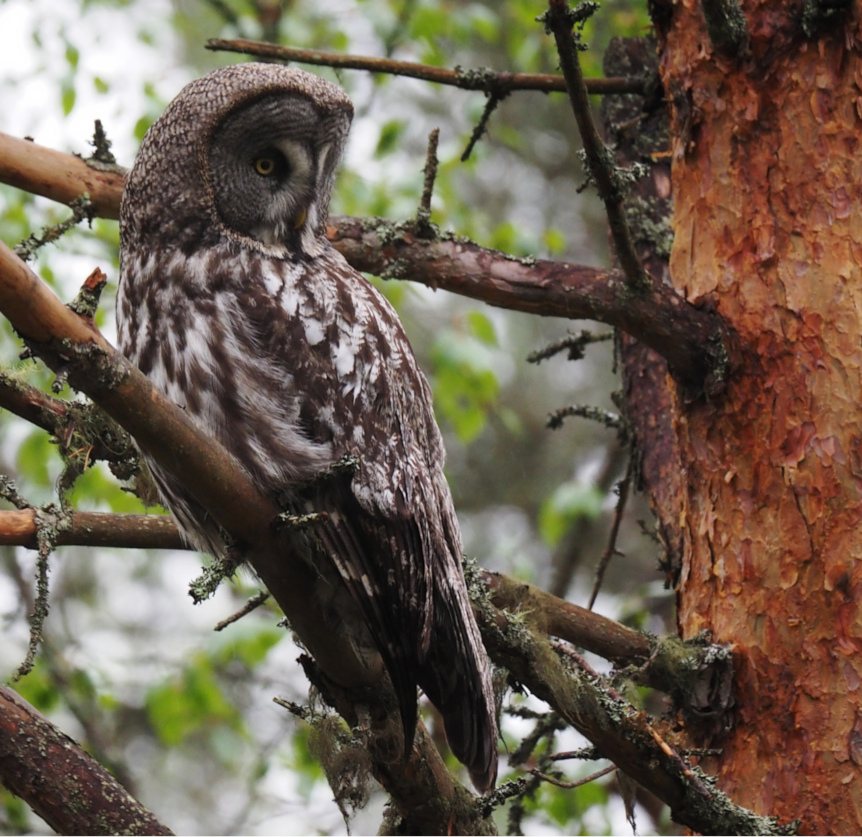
x: 47, y: 769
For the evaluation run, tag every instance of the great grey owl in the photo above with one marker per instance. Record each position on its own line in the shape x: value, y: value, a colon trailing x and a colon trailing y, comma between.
x: 235, y: 305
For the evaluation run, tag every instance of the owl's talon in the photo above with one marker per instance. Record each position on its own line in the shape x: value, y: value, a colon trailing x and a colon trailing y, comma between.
x: 60, y: 380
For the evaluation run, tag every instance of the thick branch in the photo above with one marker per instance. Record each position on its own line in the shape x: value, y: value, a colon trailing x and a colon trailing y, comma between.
x: 692, y: 340
x: 61, y: 177
x: 568, y: 621
x: 492, y: 82
x: 47, y: 769
x: 695, y: 673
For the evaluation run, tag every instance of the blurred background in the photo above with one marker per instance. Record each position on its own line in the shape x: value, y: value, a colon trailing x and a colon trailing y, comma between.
x: 129, y: 667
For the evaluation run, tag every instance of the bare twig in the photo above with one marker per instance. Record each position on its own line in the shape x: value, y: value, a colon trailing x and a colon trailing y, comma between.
x: 623, y: 495
x: 575, y: 345
x: 482, y: 124
x: 578, y: 783
x: 585, y: 753
x: 9, y: 492
x: 50, y: 521
x: 491, y: 82
x: 252, y: 604
x: 569, y: 553
x: 82, y: 210
x: 608, y: 419
x: 424, y: 228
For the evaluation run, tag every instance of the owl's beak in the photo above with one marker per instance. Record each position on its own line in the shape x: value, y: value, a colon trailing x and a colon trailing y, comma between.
x: 300, y: 219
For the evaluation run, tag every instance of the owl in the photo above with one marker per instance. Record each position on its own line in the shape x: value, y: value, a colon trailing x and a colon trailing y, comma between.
x: 232, y: 301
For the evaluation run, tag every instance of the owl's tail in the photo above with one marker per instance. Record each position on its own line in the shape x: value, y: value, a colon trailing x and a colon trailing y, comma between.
x: 456, y: 678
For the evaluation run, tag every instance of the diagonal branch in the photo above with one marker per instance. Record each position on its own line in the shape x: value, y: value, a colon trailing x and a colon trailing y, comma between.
x: 47, y: 769
x: 693, y: 340
x: 618, y: 731
x: 492, y: 82
x: 65, y: 340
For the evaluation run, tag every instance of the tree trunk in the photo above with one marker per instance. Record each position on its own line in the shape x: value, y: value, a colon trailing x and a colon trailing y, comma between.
x: 767, y: 183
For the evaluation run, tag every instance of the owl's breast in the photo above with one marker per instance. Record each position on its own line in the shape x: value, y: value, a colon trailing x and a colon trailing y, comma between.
x: 199, y: 330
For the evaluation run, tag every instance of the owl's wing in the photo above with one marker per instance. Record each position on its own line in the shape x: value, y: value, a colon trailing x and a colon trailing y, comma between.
x: 391, y: 529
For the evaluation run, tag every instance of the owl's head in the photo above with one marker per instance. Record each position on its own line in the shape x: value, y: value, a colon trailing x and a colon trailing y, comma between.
x: 248, y: 152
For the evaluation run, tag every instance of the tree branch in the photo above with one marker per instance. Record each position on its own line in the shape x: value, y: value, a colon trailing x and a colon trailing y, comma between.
x: 695, y: 673
x: 74, y: 424
x: 58, y: 176
x: 619, y: 732
x: 47, y: 769
x: 491, y: 82
x: 106, y: 529
x: 693, y: 340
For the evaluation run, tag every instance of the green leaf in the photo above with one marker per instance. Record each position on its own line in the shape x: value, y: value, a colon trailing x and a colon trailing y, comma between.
x: 96, y: 484
x: 142, y: 126
x: 16, y: 813
x: 67, y: 98
x: 554, y: 241
x: 465, y: 388
x: 308, y: 768
x: 482, y: 328
x: 189, y: 703
x: 39, y: 688
x: 251, y: 649
x: 72, y: 56
x: 390, y: 134
x: 33, y: 457
x: 565, y: 506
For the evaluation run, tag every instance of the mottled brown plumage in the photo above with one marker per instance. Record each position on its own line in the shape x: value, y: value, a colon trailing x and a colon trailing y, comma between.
x: 233, y: 302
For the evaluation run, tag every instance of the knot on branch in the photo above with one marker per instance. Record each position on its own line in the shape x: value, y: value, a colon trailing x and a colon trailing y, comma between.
x: 87, y: 301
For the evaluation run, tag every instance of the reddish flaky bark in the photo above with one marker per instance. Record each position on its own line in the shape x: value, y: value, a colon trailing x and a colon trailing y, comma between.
x: 767, y: 182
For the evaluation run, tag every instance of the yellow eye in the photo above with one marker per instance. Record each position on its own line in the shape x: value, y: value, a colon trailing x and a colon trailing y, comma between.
x: 264, y: 166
